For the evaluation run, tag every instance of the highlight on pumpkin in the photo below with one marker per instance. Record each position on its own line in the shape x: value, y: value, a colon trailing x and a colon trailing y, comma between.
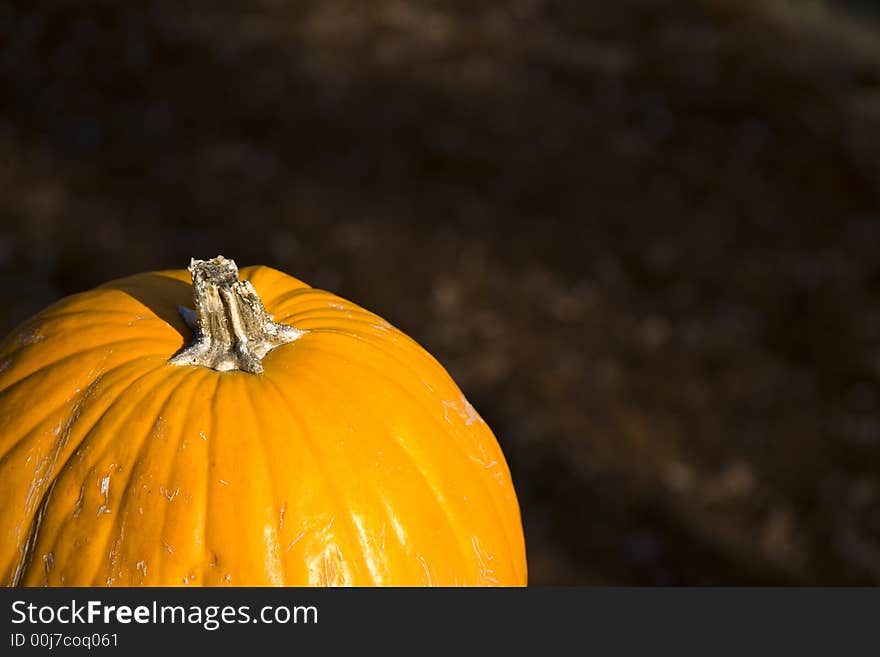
x: 217, y: 427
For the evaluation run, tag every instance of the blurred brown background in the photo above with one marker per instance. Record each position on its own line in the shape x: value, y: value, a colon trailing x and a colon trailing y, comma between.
x: 643, y: 235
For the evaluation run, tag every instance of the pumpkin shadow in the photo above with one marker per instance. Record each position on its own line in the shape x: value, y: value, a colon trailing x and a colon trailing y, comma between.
x: 162, y: 295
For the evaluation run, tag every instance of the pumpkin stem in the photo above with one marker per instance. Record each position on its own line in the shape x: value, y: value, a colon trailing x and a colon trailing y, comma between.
x: 232, y: 329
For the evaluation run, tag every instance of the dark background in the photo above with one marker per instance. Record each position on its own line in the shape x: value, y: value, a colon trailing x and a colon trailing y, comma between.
x: 642, y: 235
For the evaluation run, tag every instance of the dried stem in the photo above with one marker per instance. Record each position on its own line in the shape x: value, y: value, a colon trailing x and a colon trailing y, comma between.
x: 232, y: 329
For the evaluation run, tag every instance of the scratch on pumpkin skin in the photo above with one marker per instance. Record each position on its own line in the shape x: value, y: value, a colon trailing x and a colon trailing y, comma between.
x: 462, y: 408
x: 427, y: 581
x: 114, y: 550
x: 295, y: 540
x: 307, y: 441
x: 137, y: 318
x: 169, y: 494
x: 46, y: 470
x: 36, y: 482
x: 483, y: 458
x: 105, y: 489
x: 329, y: 570
x: 487, y: 574
x: 343, y: 580
x: 281, y: 517
x: 140, y: 457
x: 71, y: 406
x: 104, y: 485
x: 75, y: 404
x: 85, y: 446
x: 31, y: 336
x: 49, y: 563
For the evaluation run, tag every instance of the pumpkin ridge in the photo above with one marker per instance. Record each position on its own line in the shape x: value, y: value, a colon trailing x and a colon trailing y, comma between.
x: 437, y: 496
x: 305, y: 434
x: 54, y: 472
x: 16, y: 443
x: 378, y: 341
x: 177, y: 388
x: 287, y: 295
x: 337, y: 314
x: 302, y: 317
x: 59, y: 471
x: 466, y: 457
x: 248, y: 273
x: 35, y: 319
x: 431, y: 414
x: 380, y: 499
x: 372, y: 559
x: 64, y: 314
x: 139, y: 454
x: 388, y: 510
x: 155, y: 326
x: 496, y: 502
x: 259, y: 422
x: 206, y: 549
x: 75, y: 354
x: 322, y: 300
x: 430, y: 488
x: 30, y: 544
x: 436, y: 492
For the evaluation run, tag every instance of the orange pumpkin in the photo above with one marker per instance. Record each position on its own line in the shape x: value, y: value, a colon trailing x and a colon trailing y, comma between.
x: 143, y: 444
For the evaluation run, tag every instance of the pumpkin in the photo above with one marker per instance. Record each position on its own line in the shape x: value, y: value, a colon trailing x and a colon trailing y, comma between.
x: 145, y: 443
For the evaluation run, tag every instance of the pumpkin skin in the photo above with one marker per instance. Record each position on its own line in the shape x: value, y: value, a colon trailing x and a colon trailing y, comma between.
x: 351, y: 459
